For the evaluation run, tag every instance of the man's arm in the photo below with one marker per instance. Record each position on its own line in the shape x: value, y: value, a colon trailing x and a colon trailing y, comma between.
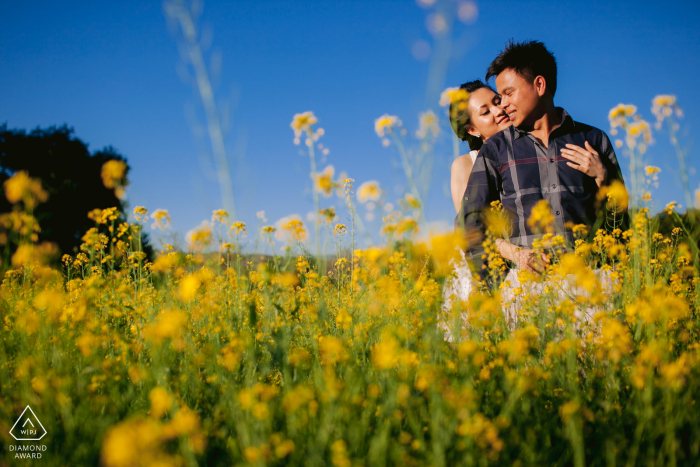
x: 482, y: 189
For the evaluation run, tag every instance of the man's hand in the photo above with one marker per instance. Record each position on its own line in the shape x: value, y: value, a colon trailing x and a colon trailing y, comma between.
x: 528, y: 260
x: 524, y: 258
x: 587, y: 161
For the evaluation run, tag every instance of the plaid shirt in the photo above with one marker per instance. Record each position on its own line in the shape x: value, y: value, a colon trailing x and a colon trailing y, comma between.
x: 514, y: 168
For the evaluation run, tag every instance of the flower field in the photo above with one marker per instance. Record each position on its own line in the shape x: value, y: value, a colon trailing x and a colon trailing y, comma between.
x: 224, y: 359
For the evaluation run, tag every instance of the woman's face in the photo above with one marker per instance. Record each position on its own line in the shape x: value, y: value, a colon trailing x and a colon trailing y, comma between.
x: 486, y: 115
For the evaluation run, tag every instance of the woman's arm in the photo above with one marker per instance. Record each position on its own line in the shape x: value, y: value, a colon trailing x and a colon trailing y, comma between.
x: 461, y: 169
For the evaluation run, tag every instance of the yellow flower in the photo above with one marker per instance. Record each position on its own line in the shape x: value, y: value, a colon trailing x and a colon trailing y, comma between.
x: 285, y: 448
x: 411, y: 201
x: 302, y: 123
x: 238, y: 228
x: 663, y: 106
x: 445, y: 249
x: 616, y: 194
x: 114, y: 176
x: 188, y: 287
x: 453, y: 95
x: 298, y: 397
x: 20, y: 187
x: 568, y: 409
x: 541, y: 217
x: 161, y: 219
x: 323, y: 182
x: 220, y: 215
x: 673, y: 374
x: 369, y: 191
x: 168, y: 324
x: 386, y: 123
x: 328, y: 214
x: 141, y: 213
x: 651, y: 170
x: 428, y: 123
x: 86, y: 343
x: 331, y: 350
x: 639, y: 128
x: 615, y: 340
x: 291, y: 228
x: 34, y: 254
x: 200, y: 237
x: 161, y: 402
x: 406, y: 226
x: 571, y: 263
x: 670, y: 207
x: 384, y: 354
x: 286, y: 279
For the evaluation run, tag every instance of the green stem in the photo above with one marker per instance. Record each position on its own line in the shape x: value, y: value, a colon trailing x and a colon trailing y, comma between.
x: 681, y: 162
x: 409, y: 172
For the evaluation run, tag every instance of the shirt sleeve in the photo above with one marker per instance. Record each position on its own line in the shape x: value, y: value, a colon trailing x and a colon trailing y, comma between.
x: 482, y: 189
x: 609, y: 160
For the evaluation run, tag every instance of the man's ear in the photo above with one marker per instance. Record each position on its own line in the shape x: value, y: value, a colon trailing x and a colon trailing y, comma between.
x: 540, y: 85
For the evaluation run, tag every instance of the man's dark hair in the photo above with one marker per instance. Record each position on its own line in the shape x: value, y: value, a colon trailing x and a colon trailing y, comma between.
x: 460, y: 118
x: 529, y: 59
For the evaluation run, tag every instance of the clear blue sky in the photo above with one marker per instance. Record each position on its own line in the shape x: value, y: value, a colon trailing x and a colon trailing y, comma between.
x: 109, y: 70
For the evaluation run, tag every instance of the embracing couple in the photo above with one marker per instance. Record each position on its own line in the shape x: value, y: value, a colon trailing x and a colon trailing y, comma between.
x: 523, y: 150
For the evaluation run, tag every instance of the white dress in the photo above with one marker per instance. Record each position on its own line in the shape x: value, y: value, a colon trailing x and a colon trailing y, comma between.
x: 457, y: 287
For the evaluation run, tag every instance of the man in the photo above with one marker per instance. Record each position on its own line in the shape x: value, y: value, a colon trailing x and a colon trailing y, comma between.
x: 544, y: 155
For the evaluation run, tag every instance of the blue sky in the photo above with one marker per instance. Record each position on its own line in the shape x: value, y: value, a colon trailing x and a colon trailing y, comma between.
x: 110, y: 70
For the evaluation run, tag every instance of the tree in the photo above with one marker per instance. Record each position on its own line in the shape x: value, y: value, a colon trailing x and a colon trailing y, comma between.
x: 69, y: 173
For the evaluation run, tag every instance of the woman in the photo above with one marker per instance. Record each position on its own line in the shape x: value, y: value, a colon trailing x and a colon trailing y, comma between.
x: 482, y: 119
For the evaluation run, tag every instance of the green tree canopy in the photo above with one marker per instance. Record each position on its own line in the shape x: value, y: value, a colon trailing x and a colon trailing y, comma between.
x: 69, y: 173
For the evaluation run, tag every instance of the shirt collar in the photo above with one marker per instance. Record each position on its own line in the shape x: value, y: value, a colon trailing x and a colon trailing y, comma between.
x: 566, y: 120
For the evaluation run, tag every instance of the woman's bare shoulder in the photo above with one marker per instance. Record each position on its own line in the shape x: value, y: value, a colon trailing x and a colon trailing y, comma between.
x: 463, y: 162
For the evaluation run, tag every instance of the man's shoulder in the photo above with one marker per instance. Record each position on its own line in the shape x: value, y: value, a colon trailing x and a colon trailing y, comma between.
x: 497, y: 142
x: 580, y: 127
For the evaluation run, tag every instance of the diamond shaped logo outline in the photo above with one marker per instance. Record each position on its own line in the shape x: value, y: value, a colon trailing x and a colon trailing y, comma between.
x: 20, y: 418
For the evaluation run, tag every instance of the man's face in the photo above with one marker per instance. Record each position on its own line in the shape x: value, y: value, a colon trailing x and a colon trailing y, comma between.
x: 519, y: 97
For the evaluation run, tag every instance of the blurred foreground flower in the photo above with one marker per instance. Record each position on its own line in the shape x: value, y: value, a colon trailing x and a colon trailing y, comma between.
x: 369, y: 191
x: 541, y: 218
x: 34, y: 254
x: 428, y: 123
x: 454, y: 95
x: 302, y: 123
x: 663, y: 106
x: 386, y: 123
x: 291, y: 228
x: 323, y: 182
x: 114, y: 176
x: 619, y: 115
x: 21, y: 187
x: 616, y: 195
x: 161, y: 219
x: 445, y: 249
x: 200, y: 237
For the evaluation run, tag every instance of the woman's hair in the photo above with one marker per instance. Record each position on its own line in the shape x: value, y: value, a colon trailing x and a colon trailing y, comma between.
x: 460, y: 120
